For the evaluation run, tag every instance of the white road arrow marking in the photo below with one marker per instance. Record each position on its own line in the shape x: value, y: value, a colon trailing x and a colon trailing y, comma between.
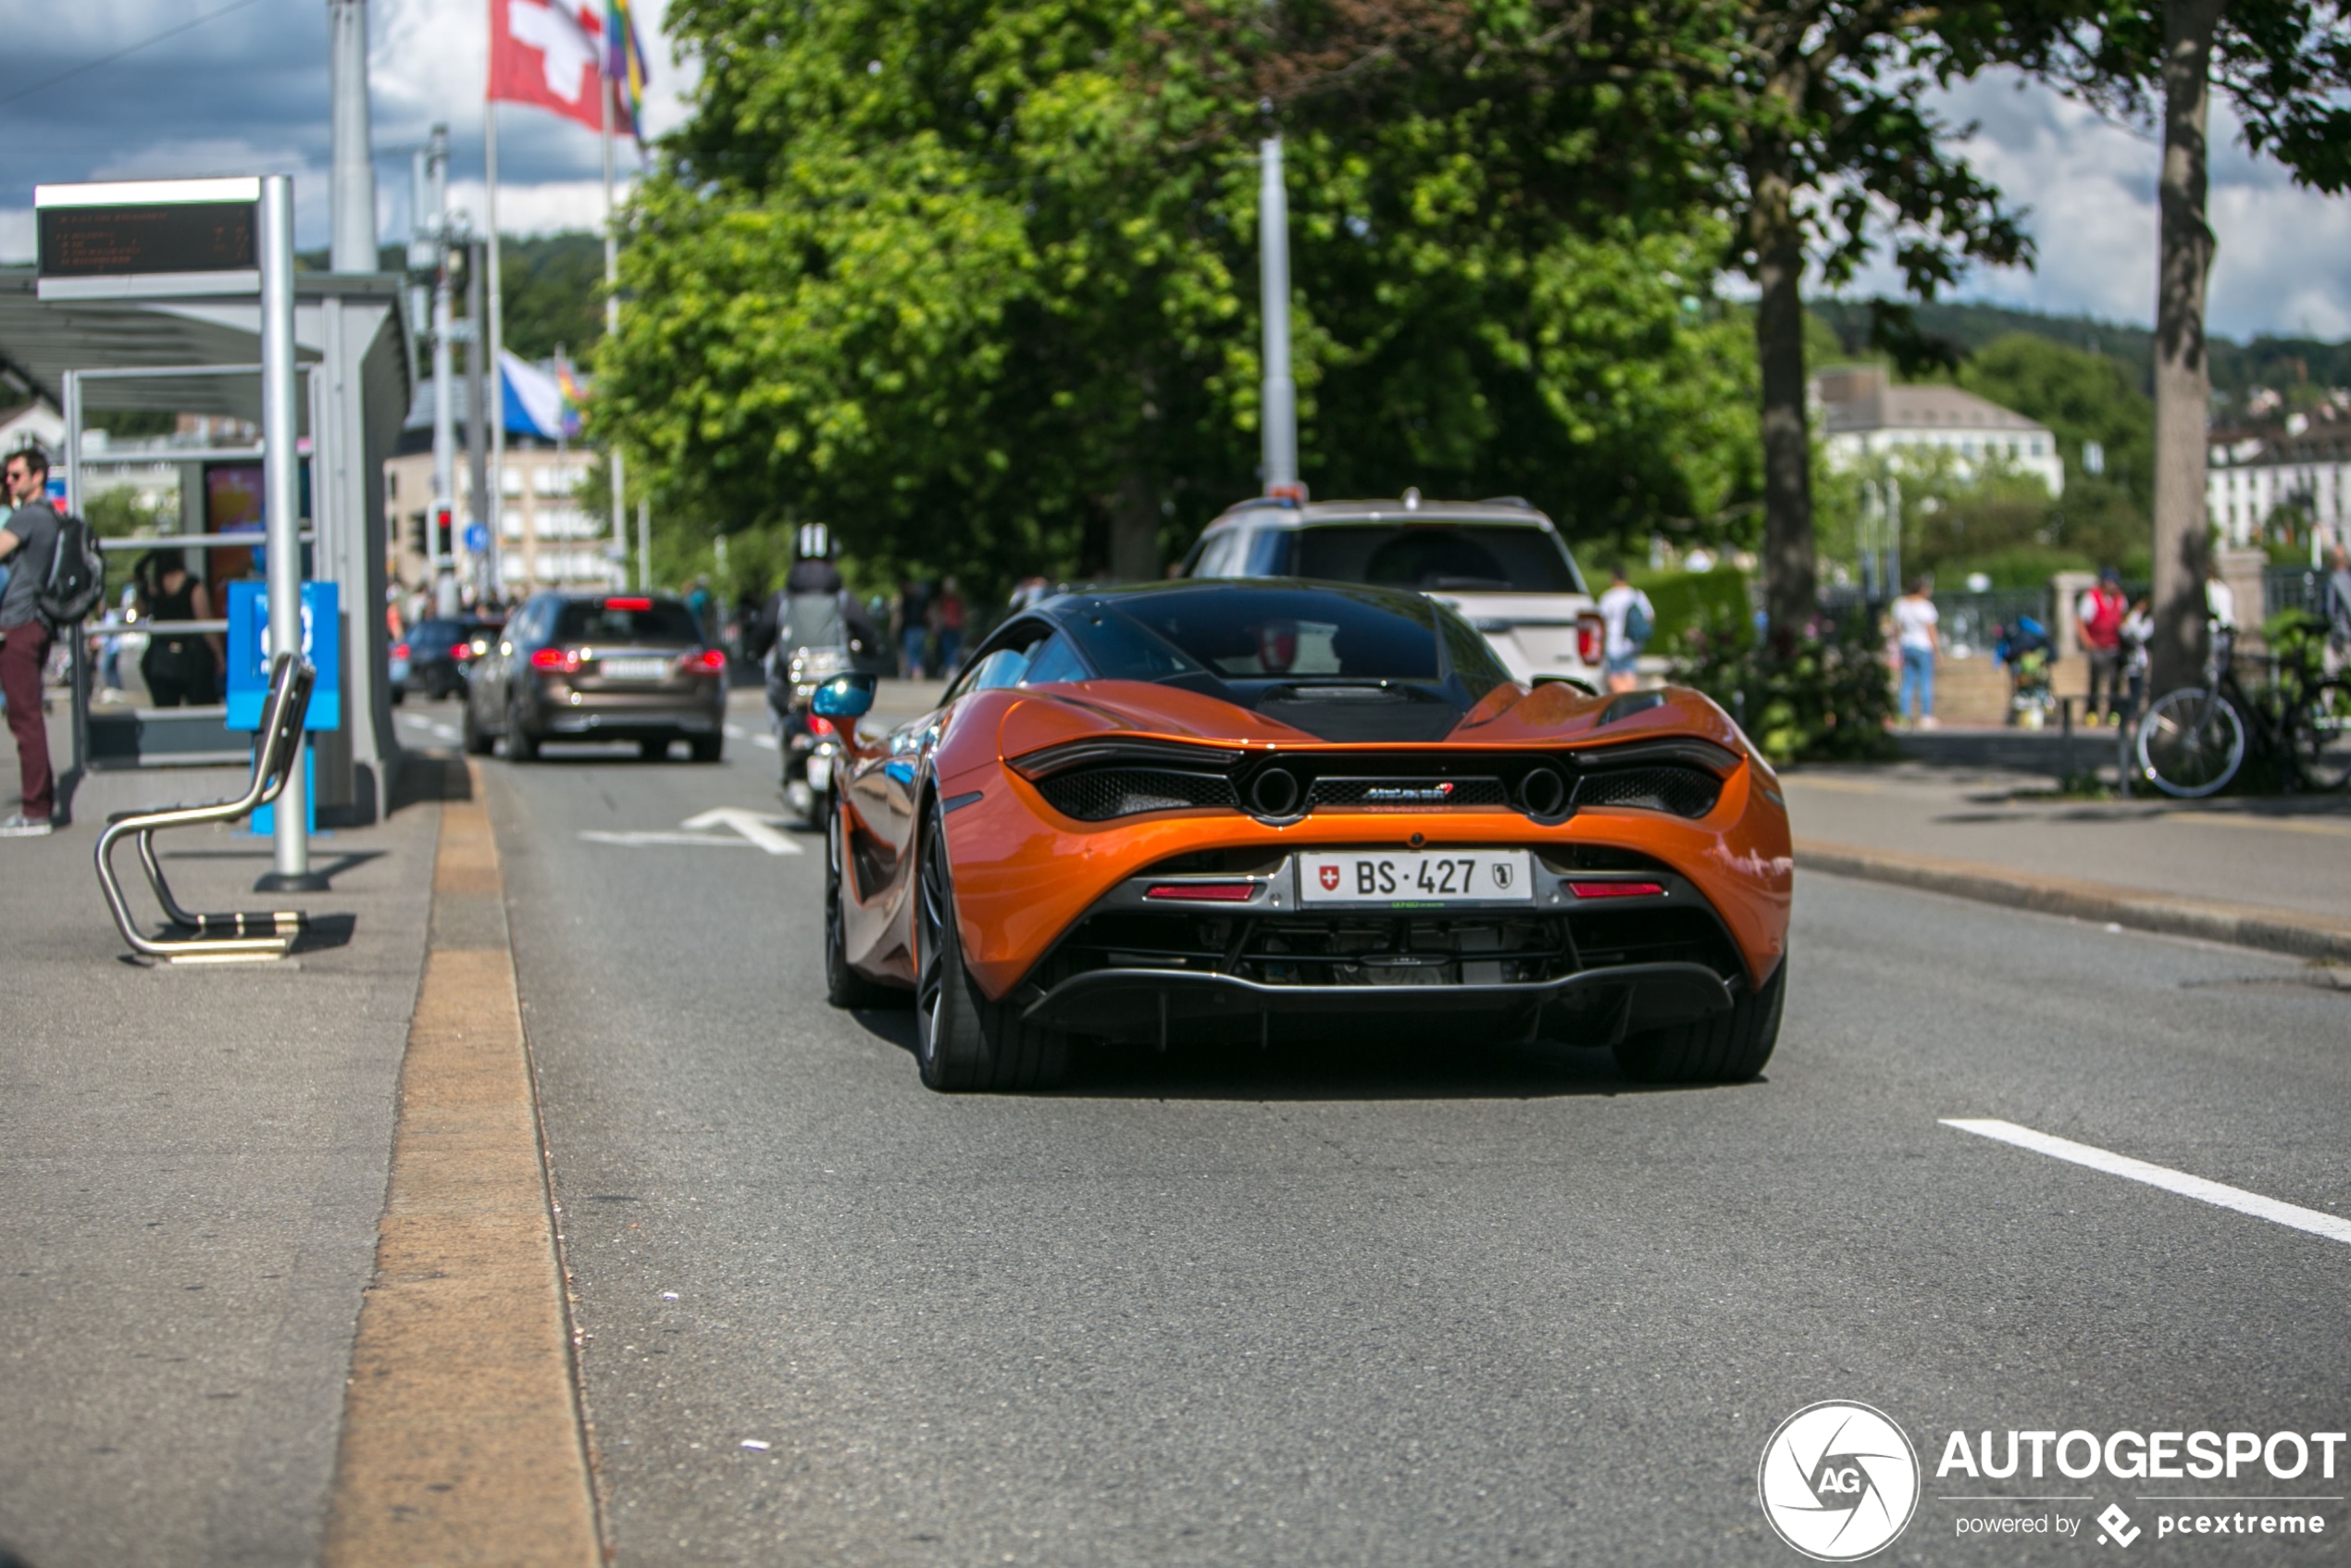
x: 767, y: 743
x: 759, y: 830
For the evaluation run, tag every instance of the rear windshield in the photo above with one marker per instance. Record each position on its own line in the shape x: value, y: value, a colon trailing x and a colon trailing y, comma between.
x: 1498, y: 557
x: 625, y: 620
x: 1304, y: 634
x: 433, y: 636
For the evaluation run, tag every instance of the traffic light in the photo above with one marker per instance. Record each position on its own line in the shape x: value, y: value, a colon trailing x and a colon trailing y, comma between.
x: 441, y: 525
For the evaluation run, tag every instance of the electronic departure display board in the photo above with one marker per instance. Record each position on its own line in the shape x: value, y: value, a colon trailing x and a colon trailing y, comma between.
x: 156, y: 238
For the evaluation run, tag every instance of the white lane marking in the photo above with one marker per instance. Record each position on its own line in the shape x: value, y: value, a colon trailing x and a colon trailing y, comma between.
x: 767, y: 743
x: 734, y: 731
x: 640, y: 840
x: 2334, y: 1228
x: 753, y: 826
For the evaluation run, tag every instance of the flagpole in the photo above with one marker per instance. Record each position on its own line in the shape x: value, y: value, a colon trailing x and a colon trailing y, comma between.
x: 611, y: 311
x: 496, y: 503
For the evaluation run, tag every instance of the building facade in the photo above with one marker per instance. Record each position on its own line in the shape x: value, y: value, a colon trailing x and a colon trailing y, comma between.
x: 546, y: 538
x: 1863, y: 415
x: 2305, y: 465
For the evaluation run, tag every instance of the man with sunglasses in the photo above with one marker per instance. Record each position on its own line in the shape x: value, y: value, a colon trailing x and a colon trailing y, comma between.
x: 28, y: 543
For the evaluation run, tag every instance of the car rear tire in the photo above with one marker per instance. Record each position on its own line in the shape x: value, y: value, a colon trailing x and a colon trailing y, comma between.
x: 844, y: 987
x: 708, y: 748
x: 653, y: 750
x: 1727, y: 1047
x: 477, y: 744
x: 521, y: 745
x: 962, y: 1041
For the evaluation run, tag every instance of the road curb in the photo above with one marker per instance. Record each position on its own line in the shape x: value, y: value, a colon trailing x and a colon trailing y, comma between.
x: 463, y: 1439
x: 2242, y: 924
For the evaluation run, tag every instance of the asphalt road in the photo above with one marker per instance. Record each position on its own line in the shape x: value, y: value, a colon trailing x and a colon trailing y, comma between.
x: 1456, y: 1305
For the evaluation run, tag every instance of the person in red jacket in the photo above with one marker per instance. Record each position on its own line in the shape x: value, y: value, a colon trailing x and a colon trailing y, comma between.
x: 2099, y: 616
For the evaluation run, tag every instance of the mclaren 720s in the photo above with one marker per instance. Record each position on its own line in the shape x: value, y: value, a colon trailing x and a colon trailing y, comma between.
x: 1259, y: 811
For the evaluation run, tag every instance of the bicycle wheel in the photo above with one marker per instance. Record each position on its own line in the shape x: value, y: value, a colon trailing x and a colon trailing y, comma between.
x: 2322, y: 735
x: 2191, y: 742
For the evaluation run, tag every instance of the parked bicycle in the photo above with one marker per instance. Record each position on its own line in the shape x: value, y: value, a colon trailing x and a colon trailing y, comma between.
x: 2191, y: 742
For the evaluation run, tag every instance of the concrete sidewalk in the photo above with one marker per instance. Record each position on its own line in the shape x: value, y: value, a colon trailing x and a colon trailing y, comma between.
x: 196, y: 1160
x: 2273, y: 873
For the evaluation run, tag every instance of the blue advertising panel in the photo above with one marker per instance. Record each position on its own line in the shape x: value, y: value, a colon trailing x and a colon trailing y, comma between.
x: 249, y: 653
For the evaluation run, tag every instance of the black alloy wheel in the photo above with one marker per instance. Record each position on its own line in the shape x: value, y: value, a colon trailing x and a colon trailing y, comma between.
x: 964, y: 1041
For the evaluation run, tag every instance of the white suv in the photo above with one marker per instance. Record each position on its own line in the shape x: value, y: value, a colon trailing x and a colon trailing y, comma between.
x: 1500, y: 563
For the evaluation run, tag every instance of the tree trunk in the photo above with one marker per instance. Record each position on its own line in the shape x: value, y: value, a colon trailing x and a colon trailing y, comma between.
x: 2182, y: 376
x: 1788, y: 573
x: 1134, y: 530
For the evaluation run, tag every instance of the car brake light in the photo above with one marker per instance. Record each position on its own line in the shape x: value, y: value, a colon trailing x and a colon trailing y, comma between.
x: 462, y: 651
x: 819, y: 724
x: 1591, y: 638
x: 1202, y: 892
x: 711, y: 659
x: 1616, y: 889
x: 554, y: 658
x: 628, y: 603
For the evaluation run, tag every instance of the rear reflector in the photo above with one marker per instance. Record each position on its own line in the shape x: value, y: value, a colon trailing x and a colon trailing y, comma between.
x: 628, y: 603
x: 819, y: 724
x: 1616, y: 889
x: 1202, y: 892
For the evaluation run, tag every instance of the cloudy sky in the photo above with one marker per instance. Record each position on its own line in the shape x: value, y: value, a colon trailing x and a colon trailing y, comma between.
x: 246, y: 92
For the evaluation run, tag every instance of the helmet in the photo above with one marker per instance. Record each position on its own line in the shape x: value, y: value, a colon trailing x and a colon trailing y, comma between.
x: 815, y: 542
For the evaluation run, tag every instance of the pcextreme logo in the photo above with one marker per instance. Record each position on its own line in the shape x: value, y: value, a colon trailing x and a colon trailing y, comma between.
x: 1838, y: 1481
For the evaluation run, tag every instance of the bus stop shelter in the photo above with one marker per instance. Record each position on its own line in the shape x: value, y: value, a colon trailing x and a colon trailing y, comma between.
x: 91, y: 356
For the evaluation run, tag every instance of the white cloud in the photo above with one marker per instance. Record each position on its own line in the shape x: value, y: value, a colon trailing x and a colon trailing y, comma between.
x: 2090, y: 188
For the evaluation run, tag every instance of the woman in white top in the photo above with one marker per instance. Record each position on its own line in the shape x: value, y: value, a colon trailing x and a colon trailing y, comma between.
x: 1921, y: 645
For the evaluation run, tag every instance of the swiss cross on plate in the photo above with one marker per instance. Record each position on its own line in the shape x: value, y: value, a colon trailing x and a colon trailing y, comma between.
x: 1330, y: 878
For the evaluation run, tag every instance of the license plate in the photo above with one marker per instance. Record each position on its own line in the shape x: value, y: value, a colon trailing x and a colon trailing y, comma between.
x: 1415, y: 876
x: 633, y: 669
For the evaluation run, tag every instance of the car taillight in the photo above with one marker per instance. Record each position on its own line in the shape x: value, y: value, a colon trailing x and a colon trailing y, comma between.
x: 554, y: 658
x: 819, y: 724
x: 1202, y: 892
x: 400, y: 650
x: 1616, y: 889
x: 628, y: 603
x: 1591, y: 638
x: 712, y: 660
x: 462, y: 651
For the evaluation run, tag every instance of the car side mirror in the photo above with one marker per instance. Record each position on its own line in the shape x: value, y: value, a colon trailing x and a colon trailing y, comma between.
x: 844, y: 696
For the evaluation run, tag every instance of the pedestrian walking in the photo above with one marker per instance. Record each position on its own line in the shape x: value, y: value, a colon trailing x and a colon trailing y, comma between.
x: 2338, y: 611
x: 947, y: 615
x: 1627, y: 618
x: 2098, y: 618
x: 28, y: 543
x: 913, y: 626
x: 1917, y: 634
x: 181, y: 668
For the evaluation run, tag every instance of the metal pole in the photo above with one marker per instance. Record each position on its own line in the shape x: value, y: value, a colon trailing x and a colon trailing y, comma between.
x: 281, y: 506
x: 61, y: 805
x: 444, y: 419
x: 353, y: 192
x: 611, y: 330
x: 1278, y: 401
x: 493, y: 354
x: 644, y: 546
x: 477, y: 431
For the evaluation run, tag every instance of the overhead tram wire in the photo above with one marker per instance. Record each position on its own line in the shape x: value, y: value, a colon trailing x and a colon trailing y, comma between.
x: 129, y: 49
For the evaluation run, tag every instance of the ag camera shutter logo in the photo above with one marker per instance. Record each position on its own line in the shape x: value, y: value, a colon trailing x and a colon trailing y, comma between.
x: 1838, y: 1481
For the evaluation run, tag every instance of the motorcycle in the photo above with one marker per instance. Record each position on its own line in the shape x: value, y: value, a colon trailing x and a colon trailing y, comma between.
x: 816, y: 639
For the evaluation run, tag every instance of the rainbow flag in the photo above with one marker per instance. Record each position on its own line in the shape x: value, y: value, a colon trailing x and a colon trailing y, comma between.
x: 624, y: 63
x: 573, y: 397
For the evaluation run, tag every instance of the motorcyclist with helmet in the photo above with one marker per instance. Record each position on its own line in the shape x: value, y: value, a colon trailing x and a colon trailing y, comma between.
x: 814, y: 628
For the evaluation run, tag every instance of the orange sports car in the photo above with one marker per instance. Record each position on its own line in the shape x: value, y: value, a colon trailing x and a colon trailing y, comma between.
x: 1262, y: 809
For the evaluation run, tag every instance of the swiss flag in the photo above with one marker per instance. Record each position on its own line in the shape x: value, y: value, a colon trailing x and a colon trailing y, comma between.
x: 548, y: 53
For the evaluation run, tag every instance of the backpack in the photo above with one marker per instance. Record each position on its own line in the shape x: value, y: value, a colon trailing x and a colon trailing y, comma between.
x: 1637, y: 629
x: 77, y: 578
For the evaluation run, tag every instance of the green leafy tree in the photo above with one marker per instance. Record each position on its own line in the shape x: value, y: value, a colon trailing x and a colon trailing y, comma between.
x: 977, y: 285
